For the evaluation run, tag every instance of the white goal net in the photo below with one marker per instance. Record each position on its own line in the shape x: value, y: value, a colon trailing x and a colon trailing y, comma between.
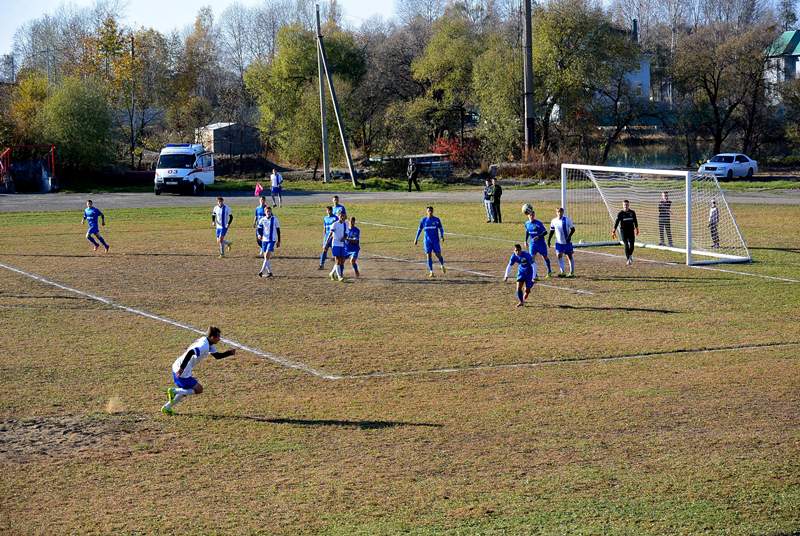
x: 677, y: 211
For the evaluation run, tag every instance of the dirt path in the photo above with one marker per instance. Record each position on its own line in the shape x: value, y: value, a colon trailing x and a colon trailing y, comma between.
x: 59, y: 201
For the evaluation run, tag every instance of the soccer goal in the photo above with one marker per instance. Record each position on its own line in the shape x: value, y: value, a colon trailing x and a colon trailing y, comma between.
x: 678, y: 211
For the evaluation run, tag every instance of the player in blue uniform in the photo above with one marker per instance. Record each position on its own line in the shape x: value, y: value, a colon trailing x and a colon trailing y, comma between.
x: 536, y: 232
x: 524, y: 262
x: 259, y: 214
x: 338, y: 207
x: 433, y: 230
x: 327, y: 221
x: 90, y: 215
x: 352, y: 244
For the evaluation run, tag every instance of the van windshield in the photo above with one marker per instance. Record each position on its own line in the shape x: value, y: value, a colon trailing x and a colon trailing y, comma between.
x: 183, y: 161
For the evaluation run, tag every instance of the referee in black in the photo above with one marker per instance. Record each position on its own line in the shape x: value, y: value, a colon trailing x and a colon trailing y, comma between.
x: 629, y: 229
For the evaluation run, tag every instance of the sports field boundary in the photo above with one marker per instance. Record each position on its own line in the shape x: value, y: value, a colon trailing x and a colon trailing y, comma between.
x: 282, y: 361
x: 576, y: 360
x: 588, y: 252
x: 302, y: 367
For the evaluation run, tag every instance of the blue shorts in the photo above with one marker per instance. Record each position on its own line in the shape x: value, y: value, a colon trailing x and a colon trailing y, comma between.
x: 538, y: 246
x: 184, y: 383
x: 352, y: 253
x: 275, y: 190
x: 527, y: 278
x: 267, y: 246
x: 432, y: 247
x: 564, y: 248
x: 338, y: 251
x: 221, y: 232
x: 93, y: 230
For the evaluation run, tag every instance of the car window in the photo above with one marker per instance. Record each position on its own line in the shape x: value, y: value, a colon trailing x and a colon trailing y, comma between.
x: 722, y: 159
x: 741, y: 158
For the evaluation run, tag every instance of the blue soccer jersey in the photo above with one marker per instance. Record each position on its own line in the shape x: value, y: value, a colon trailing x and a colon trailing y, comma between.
x: 91, y: 215
x: 260, y: 212
x: 352, y: 239
x: 433, y: 229
x: 524, y: 262
x: 535, y: 230
x: 327, y: 221
x: 337, y: 209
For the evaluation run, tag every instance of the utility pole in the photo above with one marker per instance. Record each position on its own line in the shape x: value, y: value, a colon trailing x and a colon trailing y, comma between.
x: 133, y: 100
x: 326, y: 164
x: 530, y: 115
x: 339, y: 121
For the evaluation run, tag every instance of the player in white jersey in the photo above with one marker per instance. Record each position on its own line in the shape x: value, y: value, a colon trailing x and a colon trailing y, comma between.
x: 269, y: 234
x: 182, y: 368
x: 338, y: 236
x: 221, y: 219
x: 563, y: 228
x: 276, y: 187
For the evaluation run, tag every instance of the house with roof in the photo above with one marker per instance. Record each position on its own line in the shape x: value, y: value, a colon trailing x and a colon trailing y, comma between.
x: 783, y: 62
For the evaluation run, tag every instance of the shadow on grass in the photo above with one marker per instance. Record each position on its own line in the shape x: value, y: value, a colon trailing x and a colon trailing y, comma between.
x: 783, y: 250
x: 623, y: 309
x: 363, y: 425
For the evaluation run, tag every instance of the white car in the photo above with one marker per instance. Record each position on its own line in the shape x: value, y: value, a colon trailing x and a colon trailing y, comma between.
x: 730, y: 165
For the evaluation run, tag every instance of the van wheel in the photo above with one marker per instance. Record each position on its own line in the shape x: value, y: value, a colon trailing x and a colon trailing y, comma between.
x: 157, y: 191
x: 750, y: 173
x: 195, y: 188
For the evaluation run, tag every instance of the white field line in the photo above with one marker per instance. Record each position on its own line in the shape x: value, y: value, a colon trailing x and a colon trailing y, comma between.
x: 560, y: 362
x: 480, y: 274
x: 282, y: 361
x: 580, y: 250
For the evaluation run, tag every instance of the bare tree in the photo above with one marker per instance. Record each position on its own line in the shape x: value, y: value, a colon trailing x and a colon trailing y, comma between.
x: 427, y: 10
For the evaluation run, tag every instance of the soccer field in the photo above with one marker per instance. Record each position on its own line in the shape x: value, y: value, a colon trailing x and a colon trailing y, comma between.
x: 650, y: 399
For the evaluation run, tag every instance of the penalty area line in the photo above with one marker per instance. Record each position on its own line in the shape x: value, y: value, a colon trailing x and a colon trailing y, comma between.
x: 569, y: 361
x: 282, y: 361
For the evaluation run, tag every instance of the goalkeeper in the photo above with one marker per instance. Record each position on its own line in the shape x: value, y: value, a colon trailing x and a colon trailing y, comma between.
x: 629, y: 229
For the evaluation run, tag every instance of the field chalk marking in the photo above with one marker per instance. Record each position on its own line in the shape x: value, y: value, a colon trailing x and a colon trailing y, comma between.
x: 571, y: 361
x: 480, y: 274
x: 580, y: 250
x: 267, y: 355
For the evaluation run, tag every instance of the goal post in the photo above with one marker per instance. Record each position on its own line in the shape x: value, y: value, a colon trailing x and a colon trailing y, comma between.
x: 679, y: 211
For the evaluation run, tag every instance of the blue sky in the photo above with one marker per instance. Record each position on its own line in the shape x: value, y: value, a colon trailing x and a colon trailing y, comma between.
x: 160, y: 14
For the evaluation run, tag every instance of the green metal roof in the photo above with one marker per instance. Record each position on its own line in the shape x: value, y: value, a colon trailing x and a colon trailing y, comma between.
x: 787, y: 44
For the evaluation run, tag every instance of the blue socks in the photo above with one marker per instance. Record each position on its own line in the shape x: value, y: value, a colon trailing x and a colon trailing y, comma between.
x: 547, y: 262
x: 92, y: 240
x: 100, y: 238
x: 430, y: 264
x: 340, y: 270
x: 322, y: 257
x: 519, y: 295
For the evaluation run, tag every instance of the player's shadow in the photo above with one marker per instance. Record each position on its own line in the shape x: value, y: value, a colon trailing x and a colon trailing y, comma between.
x: 363, y: 425
x: 434, y: 281
x: 783, y: 250
x: 622, y: 309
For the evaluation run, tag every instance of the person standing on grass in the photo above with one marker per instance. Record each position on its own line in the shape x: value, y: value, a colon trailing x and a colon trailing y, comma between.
x: 269, y: 234
x: 629, y: 229
x: 525, y: 270
x: 535, y: 231
x: 182, y: 368
x: 432, y: 226
x: 327, y: 221
x: 338, y: 207
x: 338, y: 234
x: 221, y: 218
x: 497, y: 193
x: 412, y: 173
x: 259, y: 214
x: 563, y: 228
x: 665, y: 219
x: 276, y: 187
x: 713, y: 224
x: 90, y: 216
x: 488, y: 200
x: 352, y: 244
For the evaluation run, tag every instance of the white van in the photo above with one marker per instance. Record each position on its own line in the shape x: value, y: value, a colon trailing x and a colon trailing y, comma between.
x: 184, y: 167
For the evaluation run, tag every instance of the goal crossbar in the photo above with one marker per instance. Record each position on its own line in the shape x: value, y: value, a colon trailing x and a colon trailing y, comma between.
x: 706, y: 229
